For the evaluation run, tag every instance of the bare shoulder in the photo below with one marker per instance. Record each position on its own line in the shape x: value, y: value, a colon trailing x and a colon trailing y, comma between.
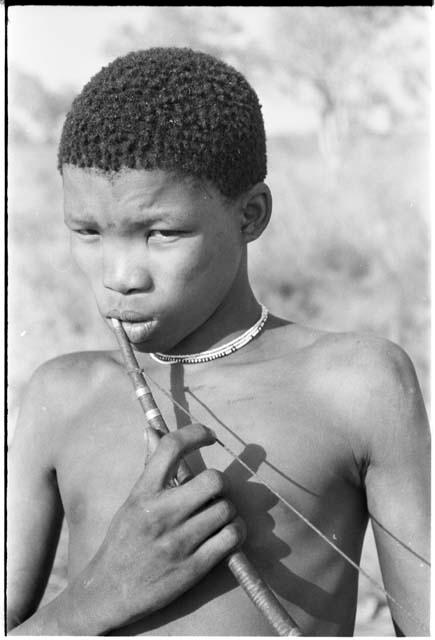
x: 76, y: 368
x: 332, y: 360
x: 366, y: 383
x: 363, y: 385
x: 76, y: 371
x: 366, y: 359
x: 57, y: 392
x: 60, y: 387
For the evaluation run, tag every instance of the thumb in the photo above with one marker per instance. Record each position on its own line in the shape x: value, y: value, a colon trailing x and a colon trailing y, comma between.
x: 162, y: 465
x: 152, y: 438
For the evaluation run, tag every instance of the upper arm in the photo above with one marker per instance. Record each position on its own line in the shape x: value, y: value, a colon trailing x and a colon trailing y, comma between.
x: 397, y: 482
x: 35, y: 511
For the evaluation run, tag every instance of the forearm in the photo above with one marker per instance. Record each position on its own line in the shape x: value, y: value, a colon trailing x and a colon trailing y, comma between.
x: 69, y: 614
x: 144, y: 562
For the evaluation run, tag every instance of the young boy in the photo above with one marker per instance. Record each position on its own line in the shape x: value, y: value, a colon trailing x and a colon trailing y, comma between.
x: 163, y: 160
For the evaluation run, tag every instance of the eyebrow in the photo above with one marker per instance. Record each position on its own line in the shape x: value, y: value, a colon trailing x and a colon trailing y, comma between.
x: 78, y: 220
x: 70, y: 219
x: 172, y: 215
x: 131, y: 223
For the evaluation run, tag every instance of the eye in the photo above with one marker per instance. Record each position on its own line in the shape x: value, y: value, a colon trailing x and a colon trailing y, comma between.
x: 86, y: 232
x: 160, y: 234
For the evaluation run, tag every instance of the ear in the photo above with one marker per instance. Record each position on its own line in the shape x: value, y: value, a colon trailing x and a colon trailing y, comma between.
x: 255, y: 211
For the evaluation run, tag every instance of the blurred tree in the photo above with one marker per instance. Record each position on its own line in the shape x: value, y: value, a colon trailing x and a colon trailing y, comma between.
x: 365, y: 67
x: 214, y: 30
x: 35, y: 112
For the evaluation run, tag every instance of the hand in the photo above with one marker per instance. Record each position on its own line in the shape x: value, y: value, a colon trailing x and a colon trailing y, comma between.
x: 162, y: 540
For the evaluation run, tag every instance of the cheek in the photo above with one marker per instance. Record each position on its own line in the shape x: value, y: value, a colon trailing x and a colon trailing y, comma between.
x: 211, y: 264
x: 86, y: 258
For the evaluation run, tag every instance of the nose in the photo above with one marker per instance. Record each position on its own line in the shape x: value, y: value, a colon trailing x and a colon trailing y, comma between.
x: 125, y: 267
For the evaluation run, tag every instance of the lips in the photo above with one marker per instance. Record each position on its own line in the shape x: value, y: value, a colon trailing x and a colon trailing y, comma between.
x: 127, y: 316
x: 138, y: 331
x: 135, y: 325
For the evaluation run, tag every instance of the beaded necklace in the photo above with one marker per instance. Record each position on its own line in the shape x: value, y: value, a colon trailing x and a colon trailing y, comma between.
x: 217, y: 352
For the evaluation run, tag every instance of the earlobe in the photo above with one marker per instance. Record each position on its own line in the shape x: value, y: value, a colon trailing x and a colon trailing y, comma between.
x: 256, y: 211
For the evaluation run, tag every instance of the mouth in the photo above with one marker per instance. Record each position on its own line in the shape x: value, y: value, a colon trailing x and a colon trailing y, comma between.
x: 127, y: 316
x: 137, y: 328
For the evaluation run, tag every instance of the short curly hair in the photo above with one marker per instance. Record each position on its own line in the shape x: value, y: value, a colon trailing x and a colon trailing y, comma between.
x: 169, y: 108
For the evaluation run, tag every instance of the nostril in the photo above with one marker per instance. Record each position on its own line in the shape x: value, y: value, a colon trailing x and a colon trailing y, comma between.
x: 126, y: 266
x: 134, y: 291
x: 127, y: 281
x: 125, y: 288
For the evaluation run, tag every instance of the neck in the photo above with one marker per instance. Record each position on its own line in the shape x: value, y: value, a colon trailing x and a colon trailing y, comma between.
x: 235, y: 314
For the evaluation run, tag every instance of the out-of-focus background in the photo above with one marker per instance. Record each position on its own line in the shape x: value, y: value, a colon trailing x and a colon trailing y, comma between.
x: 345, y: 95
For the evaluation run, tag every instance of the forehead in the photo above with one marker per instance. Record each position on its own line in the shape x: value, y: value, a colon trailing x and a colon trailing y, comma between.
x: 91, y: 190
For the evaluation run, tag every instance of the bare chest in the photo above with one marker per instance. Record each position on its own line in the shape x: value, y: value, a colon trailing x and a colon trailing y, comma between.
x: 275, y: 429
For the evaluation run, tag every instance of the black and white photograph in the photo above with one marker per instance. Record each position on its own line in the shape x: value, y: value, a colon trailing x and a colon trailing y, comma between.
x: 218, y: 321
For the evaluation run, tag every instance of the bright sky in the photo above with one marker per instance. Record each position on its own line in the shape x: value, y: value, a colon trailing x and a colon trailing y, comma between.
x: 62, y: 46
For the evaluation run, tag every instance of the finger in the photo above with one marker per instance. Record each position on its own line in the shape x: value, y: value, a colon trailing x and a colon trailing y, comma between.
x: 152, y: 439
x: 171, y: 448
x: 217, y: 547
x: 184, y: 473
x: 204, y: 524
x: 170, y: 509
x: 194, y: 495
